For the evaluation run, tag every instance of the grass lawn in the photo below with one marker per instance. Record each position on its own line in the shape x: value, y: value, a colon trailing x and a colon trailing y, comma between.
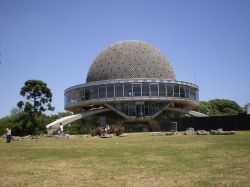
x: 136, y: 160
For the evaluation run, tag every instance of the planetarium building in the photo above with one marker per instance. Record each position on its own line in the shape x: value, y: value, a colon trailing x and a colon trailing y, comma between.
x: 134, y: 80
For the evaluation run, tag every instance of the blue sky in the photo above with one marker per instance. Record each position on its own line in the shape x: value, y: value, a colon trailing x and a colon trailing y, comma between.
x: 207, y: 42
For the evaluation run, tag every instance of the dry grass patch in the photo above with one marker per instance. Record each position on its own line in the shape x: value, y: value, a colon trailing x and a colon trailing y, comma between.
x: 136, y: 160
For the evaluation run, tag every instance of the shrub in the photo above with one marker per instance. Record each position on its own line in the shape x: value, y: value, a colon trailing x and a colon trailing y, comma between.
x: 97, y: 131
x: 117, y: 130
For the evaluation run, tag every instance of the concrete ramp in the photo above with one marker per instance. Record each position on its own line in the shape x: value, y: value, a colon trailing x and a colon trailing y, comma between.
x: 54, y: 126
x: 188, y: 112
x: 197, y: 114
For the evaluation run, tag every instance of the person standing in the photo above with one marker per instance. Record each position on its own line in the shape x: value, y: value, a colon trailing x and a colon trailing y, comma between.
x: 61, y: 131
x: 8, y: 135
x: 108, y: 129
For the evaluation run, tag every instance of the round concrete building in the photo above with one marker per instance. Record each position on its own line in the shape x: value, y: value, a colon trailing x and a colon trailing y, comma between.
x: 134, y: 80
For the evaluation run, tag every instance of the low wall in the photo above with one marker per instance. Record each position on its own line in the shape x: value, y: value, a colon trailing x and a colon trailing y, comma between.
x: 234, y: 122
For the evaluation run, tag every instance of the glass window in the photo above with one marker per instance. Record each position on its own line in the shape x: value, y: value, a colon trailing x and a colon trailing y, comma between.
x: 140, y: 110
x: 94, y: 92
x: 170, y: 90
x: 196, y: 94
x: 187, y: 91
x: 136, y: 89
x: 75, y: 95
x: 154, y: 89
x: 161, y: 105
x: 132, y: 109
x: 152, y: 108
x: 192, y: 94
x: 162, y: 89
x: 119, y: 90
x: 87, y: 93
x: 119, y: 106
x: 145, y: 89
x: 182, y: 91
x: 146, y: 105
x: 67, y: 98
x: 102, y: 91
x: 127, y: 90
x: 82, y: 94
x: 110, y: 90
x: 176, y: 90
x: 126, y: 109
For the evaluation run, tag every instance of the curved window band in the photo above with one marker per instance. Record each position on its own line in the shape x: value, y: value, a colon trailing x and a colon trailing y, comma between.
x: 121, y: 90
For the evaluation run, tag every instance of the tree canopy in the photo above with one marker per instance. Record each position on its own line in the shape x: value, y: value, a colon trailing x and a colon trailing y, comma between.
x: 217, y: 107
x: 38, y: 98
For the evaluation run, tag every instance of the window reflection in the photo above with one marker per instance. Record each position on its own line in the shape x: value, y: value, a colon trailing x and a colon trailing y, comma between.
x: 81, y: 94
x: 182, y: 91
x: 94, y: 92
x: 132, y: 109
x: 196, y: 94
x: 126, y: 108
x: 170, y: 90
x: 136, y: 89
x: 192, y: 94
x: 145, y: 89
x: 154, y: 89
x: 176, y: 90
x: 162, y: 89
x: 102, y: 91
x: 87, y: 93
x: 110, y: 90
x: 187, y: 91
x: 127, y: 90
x: 119, y: 90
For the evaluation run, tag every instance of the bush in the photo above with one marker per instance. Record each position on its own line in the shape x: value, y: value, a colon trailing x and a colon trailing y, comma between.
x: 97, y: 131
x: 117, y: 130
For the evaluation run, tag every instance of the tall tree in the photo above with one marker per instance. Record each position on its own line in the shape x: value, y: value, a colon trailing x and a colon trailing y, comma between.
x: 38, y: 98
x: 217, y: 107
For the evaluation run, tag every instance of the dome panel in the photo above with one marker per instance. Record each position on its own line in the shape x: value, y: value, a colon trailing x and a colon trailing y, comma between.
x: 130, y: 59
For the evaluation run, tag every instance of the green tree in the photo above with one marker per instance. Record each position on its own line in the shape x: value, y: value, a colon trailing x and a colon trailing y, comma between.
x: 204, y: 107
x: 217, y: 107
x: 15, y: 111
x: 38, y: 98
x: 10, y: 121
x: 5, y: 122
